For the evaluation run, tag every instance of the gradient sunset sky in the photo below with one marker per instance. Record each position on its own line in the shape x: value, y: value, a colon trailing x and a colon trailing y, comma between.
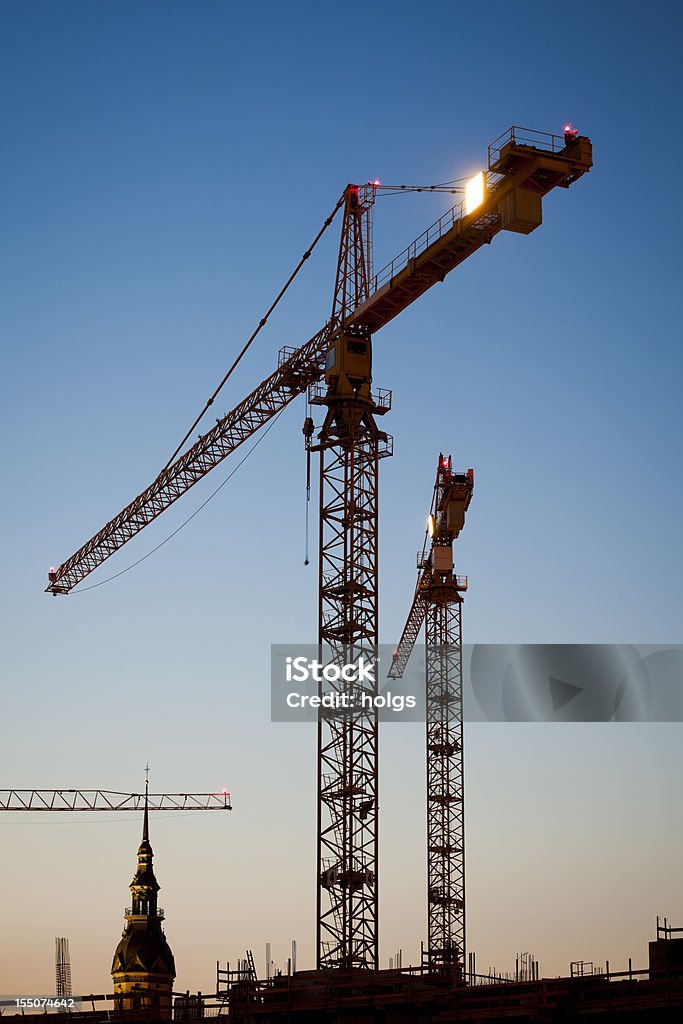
x: 164, y: 167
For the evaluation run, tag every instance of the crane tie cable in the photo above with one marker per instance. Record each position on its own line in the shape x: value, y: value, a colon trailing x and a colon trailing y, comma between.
x: 261, y: 325
x: 143, y: 558
x: 453, y: 187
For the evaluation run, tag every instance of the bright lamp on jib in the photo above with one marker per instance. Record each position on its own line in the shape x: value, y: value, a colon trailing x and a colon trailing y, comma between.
x: 474, y: 192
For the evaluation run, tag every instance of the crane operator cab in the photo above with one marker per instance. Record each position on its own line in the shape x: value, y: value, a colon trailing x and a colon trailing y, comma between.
x: 348, y: 366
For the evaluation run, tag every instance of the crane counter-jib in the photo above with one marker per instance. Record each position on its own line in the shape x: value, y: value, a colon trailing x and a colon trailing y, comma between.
x: 519, y: 176
x: 523, y: 167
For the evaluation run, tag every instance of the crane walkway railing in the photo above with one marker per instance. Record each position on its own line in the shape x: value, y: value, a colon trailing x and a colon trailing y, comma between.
x: 526, y: 137
x: 412, y: 251
x: 520, y: 136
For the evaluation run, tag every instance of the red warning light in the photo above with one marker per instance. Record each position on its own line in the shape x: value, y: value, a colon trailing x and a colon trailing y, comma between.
x: 570, y: 130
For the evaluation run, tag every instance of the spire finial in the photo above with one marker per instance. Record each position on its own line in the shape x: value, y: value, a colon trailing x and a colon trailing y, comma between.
x: 145, y: 827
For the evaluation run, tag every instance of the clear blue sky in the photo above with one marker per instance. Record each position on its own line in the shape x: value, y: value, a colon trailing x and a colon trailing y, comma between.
x: 164, y: 166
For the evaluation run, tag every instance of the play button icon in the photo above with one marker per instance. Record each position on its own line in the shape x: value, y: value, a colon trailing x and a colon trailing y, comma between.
x: 557, y: 682
x: 561, y: 692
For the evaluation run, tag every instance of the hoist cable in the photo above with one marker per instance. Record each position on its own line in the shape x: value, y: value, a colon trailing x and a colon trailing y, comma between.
x: 261, y: 324
x: 213, y: 494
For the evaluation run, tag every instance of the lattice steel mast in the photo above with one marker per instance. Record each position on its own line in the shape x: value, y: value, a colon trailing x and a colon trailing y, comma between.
x: 438, y: 603
x: 350, y: 446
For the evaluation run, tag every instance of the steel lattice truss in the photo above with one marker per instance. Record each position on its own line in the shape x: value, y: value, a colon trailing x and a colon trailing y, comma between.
x: 350, y: 449
x: 445, y: 788
x: 296, y: 371
x: 438, y: 602
x: 353, y: 272
x: 411, y: 630
x: 347, y: 742
x: 108, y: 800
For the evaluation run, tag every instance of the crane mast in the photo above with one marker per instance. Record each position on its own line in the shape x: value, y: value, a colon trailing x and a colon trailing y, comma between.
x: 335, y: 368
x: 350, y: 446
x: 438, y: 604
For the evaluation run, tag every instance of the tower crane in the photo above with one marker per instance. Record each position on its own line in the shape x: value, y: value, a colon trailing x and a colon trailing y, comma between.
x: 437, y: 603
x: 109, y: 800
x: 335, y: 368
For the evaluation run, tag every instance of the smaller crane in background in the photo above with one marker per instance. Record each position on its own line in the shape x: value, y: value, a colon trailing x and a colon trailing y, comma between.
x: 438, y: 603
x: 108, y: 800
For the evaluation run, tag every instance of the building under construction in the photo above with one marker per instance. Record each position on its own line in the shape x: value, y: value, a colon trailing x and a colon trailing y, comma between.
x: 423, y: 997
x: 415, y: 996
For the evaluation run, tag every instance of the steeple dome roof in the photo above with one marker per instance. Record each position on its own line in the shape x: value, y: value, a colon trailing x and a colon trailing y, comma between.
x: 143, y: 947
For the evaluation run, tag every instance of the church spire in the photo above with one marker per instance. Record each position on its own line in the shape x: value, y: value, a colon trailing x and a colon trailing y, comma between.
x: 145, y: 820
x: 143, y: 969
x: 144, y: 886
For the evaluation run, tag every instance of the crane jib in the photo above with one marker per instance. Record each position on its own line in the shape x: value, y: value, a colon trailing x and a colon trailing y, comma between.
x: 109, y: 800
x: 304, y: 367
